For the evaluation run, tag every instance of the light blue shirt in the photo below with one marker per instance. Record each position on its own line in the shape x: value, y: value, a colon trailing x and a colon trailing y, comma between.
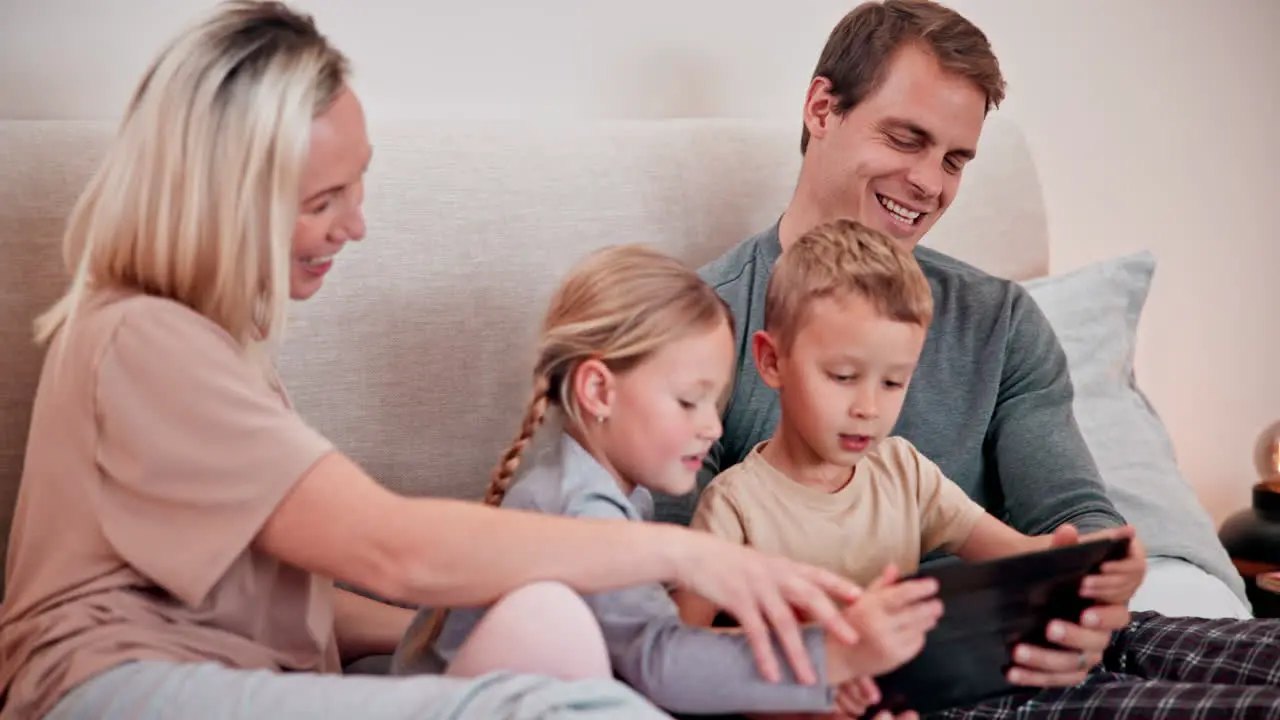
x: 680, y: 668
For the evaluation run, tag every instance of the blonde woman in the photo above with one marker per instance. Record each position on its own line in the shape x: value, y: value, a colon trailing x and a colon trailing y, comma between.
x: 179, y: 528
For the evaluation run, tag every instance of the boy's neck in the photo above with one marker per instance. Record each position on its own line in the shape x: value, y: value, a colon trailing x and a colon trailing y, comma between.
x: 790, y: 455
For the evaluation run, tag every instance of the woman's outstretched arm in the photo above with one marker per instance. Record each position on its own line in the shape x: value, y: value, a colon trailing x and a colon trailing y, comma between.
x: 339, y: 522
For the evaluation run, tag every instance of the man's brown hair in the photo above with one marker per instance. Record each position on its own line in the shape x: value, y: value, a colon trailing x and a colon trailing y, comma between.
x: 857, y: 54
x: 839, y: 257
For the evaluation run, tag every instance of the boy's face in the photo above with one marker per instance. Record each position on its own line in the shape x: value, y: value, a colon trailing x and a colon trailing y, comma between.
x: 842, y: 382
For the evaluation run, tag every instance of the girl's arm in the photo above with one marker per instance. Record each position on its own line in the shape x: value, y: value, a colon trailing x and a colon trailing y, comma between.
x: 338, y: 522
x: 367, y: 627
x: 708, y: 671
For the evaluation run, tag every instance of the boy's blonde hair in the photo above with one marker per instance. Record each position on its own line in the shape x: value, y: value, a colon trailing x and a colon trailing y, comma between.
x: 619, y: 305
x: 839, y: 257
x: 198, y: 194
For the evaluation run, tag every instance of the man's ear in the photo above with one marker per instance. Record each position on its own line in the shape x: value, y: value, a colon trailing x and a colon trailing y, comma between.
x: 593, y: 387
x: 819, y: 107
x: 764, y: 350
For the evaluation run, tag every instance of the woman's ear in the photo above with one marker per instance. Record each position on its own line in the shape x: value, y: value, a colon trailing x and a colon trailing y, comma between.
x: 593, y: 387
x: 764, y: 350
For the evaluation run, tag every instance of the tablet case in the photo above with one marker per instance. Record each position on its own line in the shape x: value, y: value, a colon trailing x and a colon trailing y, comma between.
x: 988, y: 609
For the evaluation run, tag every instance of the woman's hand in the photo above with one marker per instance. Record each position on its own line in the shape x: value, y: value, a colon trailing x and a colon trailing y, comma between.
x: 765, y: 592
x: 1083, y: 644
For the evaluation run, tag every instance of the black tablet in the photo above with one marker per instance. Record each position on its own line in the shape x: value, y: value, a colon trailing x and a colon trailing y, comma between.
x: 988, y: 609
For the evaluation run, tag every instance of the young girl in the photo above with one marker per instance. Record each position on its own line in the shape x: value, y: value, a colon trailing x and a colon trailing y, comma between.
x: 636, y: 353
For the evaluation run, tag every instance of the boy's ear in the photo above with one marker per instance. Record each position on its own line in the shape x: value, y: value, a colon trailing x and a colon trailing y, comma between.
x: 764, y: 350
x: 593, y: 386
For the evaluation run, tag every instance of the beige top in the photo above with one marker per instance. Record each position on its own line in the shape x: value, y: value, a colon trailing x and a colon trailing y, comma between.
x: 156, y: 454
x: 897, y: 507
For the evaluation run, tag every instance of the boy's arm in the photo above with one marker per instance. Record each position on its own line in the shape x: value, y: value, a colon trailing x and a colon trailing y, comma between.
x: 951, y: 521
x: 719, y: 515
x: 1046, y: 470
x: 991, y: 539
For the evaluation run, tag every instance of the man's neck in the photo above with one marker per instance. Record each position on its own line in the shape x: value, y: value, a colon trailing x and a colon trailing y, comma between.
x: 802, y: 214
x: 790, y: 455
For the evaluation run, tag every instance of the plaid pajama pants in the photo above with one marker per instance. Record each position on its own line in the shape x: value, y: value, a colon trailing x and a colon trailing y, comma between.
x: 1161, y: 667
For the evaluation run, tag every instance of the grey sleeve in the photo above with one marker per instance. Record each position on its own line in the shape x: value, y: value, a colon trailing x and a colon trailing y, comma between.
x: 686, y: 669
x: 1046, y: 470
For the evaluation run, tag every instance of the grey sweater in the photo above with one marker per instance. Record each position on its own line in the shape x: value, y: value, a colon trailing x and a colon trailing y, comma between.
x: 990, y: 401
x: 680, y: 668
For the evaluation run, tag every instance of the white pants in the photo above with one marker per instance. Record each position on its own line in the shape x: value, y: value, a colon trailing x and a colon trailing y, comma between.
x: 1176, y: 588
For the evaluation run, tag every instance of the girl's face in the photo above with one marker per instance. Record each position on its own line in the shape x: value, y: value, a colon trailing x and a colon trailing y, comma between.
x: 662, y: 415
x: 332, y: 186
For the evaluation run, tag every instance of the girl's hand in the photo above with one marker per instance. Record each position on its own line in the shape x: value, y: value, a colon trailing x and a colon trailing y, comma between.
x: 854, y: 697
x: 765, y: 592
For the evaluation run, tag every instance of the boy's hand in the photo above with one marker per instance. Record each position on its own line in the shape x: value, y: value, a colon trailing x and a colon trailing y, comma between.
x: 891, y: 620
x: 1119, y: 579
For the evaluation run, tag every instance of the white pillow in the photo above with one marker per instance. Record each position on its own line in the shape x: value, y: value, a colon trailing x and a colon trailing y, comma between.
x: 1095, y: 312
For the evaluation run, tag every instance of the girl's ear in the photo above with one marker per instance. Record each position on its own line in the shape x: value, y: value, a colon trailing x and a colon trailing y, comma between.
x: 593, y: 387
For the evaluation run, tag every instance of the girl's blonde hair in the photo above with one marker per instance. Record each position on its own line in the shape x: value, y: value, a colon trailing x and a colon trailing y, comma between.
x: 198, y: 194
x: 619, y: 306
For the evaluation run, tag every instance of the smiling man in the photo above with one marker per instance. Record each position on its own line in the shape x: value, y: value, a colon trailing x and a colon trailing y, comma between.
x: 891, y: 118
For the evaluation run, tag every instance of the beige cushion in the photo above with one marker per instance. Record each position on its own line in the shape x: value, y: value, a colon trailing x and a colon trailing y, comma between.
x: 415, y: 356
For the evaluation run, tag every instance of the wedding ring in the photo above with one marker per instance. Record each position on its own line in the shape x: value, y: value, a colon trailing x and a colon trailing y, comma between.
x: 1080, y: 664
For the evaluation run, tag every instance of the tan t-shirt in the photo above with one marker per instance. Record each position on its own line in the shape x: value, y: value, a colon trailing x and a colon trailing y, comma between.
x: 156, y: 454
x: 897, y: 507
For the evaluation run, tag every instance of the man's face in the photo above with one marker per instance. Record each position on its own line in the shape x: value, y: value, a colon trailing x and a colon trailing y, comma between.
x: 893, y: 161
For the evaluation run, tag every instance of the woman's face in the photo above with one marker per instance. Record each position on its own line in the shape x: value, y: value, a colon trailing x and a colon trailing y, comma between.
x: 332, y: 193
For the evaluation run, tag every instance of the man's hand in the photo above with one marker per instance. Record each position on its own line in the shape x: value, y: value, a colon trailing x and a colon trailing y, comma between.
x: 1084, y: 642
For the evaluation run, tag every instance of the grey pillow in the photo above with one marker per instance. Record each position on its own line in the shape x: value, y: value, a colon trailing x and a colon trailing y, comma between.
x: 1095, y: 312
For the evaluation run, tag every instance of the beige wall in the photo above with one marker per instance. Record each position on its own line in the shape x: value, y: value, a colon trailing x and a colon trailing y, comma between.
x: 1154, y: 123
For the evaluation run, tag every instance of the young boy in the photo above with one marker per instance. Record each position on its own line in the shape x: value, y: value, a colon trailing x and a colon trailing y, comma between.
x: 846, y: 314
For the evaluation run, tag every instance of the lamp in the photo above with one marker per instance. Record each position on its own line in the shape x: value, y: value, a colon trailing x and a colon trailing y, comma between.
x: 1252, y: 535
x: 1266, y: 457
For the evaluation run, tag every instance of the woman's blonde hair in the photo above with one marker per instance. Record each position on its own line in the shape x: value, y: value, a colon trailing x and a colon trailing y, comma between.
x: 198, y: 194
x: 619, y: 306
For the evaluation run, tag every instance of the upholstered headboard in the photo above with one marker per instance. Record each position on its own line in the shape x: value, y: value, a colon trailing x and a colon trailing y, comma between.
x: 415, y: 357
